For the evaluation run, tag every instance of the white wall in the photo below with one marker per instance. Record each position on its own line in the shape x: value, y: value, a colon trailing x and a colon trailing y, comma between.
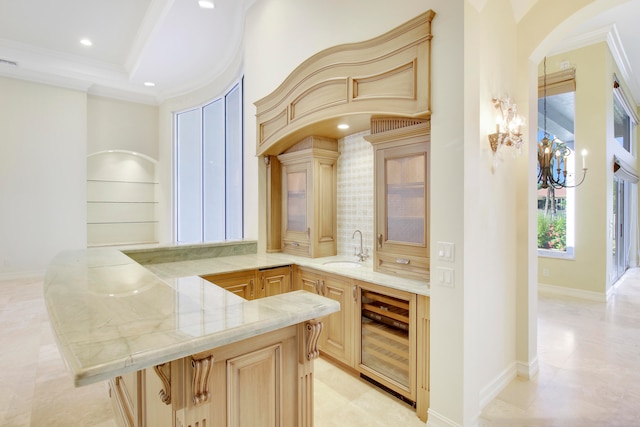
x: 489, y: 200
x: 42, y: 174
x: 114, y: 124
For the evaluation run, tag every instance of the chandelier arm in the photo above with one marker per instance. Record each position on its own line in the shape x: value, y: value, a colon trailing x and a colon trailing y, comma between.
x: 584, y: 175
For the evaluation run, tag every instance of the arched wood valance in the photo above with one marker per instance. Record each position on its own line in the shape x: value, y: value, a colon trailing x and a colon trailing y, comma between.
x: 387, y: 75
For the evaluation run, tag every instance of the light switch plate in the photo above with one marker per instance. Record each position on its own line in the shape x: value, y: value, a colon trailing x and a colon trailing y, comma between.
x: 444, y: 277
x: 446, y: 251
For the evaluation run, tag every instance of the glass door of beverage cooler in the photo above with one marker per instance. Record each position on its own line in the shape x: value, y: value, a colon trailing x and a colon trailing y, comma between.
x: 385, y: 340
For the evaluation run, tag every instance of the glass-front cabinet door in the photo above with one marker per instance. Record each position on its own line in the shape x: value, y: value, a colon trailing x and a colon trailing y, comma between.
x: 296, y: 218
x: 402, y: 207
x: 309, y: 175
x: 296, y: 187
x: 404, y: 197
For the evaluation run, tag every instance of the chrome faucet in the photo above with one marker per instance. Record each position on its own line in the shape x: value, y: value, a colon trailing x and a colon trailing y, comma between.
x: 362, y: 255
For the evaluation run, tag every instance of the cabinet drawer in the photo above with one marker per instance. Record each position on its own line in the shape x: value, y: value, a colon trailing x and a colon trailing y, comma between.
x: 405, y: 265
x: 296, y: 248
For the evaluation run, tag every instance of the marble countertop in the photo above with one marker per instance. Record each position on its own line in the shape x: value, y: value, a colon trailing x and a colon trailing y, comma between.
x: 364, y: 272
x: 112, y: 315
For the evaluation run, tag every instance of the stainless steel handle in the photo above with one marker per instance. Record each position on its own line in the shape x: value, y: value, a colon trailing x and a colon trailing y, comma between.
x: 380, y: 240
x: 251, y: 287
x: 323, y: 288
x: 404, y: 261
x: 308, y: 232
x: 355, y: 294
x: 294, y: 244
x: 317, y: 285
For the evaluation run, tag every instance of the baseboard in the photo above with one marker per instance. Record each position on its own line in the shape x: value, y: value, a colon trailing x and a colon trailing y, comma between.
x: 570, y: 292
x: 21, y: 275
x: 493, y: 389
x: 613, y: 287
x: 436, y: 420
x: 528, y: 370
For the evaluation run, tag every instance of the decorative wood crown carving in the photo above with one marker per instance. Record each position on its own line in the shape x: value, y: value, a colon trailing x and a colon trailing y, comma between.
x: 387, y: 75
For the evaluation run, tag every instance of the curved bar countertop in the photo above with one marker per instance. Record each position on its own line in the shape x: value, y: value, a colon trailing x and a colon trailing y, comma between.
x: 112, y: 315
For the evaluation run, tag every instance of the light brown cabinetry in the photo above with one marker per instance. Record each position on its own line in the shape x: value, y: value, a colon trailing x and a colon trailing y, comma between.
x: 380, y: 332
x: 274, y: 281
x: 402, y: 151
x: 336, y: 339
x: 126, y: 398
x: 262, y: 381
x: 309, y: 175
x: 254, y: 284
x: 241, y: 283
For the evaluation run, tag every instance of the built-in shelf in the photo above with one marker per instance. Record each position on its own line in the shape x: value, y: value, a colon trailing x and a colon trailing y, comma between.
x: 121, y: 199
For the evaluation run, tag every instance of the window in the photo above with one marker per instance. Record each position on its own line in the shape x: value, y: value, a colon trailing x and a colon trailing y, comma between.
x: 209, y: 171
x: 624, y: 117
x: 556, y: 206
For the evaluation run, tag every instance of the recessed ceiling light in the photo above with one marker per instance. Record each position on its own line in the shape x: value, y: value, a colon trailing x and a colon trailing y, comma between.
x: 343, y: 126
x: 206, y: 4
x: 149, y: 84
x: 86, y: 42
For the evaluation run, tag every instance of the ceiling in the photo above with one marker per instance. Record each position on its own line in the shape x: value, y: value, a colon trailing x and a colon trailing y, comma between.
x: 173, y: 43
x: 177, y: 45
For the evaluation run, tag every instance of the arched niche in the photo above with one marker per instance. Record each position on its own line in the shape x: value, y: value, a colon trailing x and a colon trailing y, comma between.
x: 121, y: 198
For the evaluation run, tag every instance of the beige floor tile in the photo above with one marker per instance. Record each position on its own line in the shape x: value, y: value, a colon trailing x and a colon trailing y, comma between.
x: 589, y: 356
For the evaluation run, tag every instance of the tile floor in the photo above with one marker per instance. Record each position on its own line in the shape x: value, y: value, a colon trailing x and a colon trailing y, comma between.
x: 589, y: 355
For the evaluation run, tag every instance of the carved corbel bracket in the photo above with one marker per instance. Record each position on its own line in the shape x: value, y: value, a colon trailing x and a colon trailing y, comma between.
x: 314, y: 328
x: 200, y: 381
x: 164, y: 373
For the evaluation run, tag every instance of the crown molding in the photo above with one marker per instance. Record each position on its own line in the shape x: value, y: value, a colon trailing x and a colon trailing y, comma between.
x: 608, y: 34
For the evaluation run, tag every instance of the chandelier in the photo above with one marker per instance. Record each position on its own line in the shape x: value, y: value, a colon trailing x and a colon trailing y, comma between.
x: 553, y: 155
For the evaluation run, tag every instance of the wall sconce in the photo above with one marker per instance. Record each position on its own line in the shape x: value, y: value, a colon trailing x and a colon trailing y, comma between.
x: 508, y: 126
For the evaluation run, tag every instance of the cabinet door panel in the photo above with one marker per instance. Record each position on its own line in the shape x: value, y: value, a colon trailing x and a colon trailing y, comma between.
x: 307, y: 281
x: 241, y: 284
x: 275, y: 281
x: 337, y: 334
x: 402, y: 208
x: 296, y: 196
x: 254, y: 388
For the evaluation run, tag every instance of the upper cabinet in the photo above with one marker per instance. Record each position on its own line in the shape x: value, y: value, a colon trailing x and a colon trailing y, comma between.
x: 309, y: 175
x: 389, y: 74
x: 401, y: 223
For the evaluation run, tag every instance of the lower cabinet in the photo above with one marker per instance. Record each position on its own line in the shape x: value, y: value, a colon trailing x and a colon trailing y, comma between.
x: 274, y: 281
x: 380, y: 332
x: 336, y: 339
x: 126, y: 398
x: 253, y: 284
x: 263, y: 381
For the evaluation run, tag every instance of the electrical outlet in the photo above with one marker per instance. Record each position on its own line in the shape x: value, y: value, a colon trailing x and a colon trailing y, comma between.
x: 545, y: 272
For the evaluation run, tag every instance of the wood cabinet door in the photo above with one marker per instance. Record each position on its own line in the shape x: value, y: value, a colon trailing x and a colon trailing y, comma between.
x: 275, y: 281
x: 307, y: 280
x: 297, y: 203
x: 254, y: 388
x: 337, y: 334
x: 402, y: 209
x: 241, y: 283
x: 127, y: 398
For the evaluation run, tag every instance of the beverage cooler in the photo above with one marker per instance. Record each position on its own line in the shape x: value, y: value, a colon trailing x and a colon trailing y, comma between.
x: 387, y: 355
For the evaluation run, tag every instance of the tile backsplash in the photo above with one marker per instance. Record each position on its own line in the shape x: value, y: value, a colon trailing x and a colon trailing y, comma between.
x: 355, y: 194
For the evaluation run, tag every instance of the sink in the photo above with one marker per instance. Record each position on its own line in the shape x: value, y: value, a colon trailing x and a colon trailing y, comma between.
x: 349, y: 264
